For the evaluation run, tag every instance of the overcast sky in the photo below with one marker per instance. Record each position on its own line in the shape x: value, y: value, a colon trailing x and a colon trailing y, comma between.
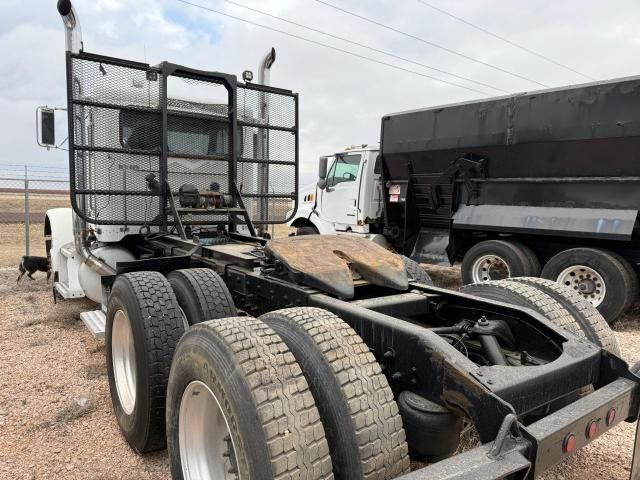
x: 341, y: 97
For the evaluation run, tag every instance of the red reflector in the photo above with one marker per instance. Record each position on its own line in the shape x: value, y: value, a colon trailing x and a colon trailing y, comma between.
x: 592, y: 429
x: 569, y: 443
x: 611, y: 417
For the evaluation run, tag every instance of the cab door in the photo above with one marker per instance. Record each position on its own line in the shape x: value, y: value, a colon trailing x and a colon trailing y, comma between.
x: 339, y: 201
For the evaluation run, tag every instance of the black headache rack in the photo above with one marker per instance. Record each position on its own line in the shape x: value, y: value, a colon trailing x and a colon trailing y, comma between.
x: 138, y: 133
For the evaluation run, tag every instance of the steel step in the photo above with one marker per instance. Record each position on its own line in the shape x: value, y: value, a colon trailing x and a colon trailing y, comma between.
x: 95, y: 321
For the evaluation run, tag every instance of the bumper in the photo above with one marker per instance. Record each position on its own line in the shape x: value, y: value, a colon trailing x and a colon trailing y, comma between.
x: 524, y: 452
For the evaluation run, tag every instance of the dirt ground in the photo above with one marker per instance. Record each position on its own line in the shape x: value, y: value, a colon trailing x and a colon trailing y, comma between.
x: 56, y: 420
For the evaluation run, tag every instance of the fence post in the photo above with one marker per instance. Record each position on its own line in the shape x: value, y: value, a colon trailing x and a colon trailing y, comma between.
x: 26, y: 211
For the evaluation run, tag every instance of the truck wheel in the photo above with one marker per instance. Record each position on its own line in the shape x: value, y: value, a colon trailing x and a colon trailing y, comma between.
x: 497, y: 260
x: 528, y: 296
x: 202, y: 294
x: 239, y: 407
x: 359, y: 414
x: 308, y: 230
x: 633, y: 276
x: 601, y: 278
x: 143, y: 326
x: 416, y: 272
x: 593, y: 325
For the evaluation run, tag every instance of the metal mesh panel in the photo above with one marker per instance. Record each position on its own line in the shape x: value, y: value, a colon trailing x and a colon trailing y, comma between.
x: 268, y: 157
x: 129, y: 121
x: 117, y: 140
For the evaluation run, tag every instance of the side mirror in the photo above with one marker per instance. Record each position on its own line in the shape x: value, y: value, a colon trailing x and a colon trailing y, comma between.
x: 322, y: 173
x: 322, y: 169
x: 45, y: 127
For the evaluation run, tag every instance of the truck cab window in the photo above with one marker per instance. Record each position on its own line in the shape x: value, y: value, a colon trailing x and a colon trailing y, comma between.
x: 344, y: 169
x: 186, y: 135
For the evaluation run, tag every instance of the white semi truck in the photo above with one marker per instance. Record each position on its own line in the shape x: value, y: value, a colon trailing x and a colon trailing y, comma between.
x: 352, y: 200
x: 313, y: 357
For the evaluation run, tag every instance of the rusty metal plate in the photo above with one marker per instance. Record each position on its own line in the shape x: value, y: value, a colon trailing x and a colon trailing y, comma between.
x: 329, y: 262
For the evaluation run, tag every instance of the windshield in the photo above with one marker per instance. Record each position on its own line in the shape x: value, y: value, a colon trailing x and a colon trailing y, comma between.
x: 344, y: 169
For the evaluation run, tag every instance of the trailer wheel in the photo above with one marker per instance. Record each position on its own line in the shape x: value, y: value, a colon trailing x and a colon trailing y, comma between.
x: 633, y: 276
x: 360, y: 416
x: 202, y: 294
x: 143, y: 327
x: 416, y: 272
x: 239, y: 407
x: 593, y: 325
x: 597, y: 275
x: 528, y: 296
x: 497, y: 260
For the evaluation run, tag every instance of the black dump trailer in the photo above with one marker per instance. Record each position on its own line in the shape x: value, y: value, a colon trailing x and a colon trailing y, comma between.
x: 542, y: 183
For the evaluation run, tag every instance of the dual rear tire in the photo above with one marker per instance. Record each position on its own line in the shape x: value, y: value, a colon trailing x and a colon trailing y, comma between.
x: 294, y: 394
x: 497, y: 260
x: 601, y: 277
x: 147, y: 315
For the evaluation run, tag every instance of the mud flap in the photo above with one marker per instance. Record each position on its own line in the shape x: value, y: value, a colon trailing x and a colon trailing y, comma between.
x: 431, y: 247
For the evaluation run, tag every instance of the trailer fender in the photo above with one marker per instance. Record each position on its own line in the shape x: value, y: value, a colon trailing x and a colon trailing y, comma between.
x: 600, y: 223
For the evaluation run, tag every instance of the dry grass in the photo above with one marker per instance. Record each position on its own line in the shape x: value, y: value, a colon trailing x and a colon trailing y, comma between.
x: 12, y: 242
x: 12, y: 235
x: 14, y: 202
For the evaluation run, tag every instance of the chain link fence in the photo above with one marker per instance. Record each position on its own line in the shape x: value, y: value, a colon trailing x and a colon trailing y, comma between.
x: 26, y: 193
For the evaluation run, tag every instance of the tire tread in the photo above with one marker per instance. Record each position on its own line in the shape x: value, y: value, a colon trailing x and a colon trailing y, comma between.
x: 592, y: 322
x: 416, y: 272
x: 163, y: 327
x: 214, y: 298
x: 374, y: 412
x: 282, y: 397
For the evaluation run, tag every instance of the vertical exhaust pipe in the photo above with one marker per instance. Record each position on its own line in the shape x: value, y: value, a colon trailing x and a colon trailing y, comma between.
x: 263, y: 171
x: 73, y: 44
x: 73, y: 32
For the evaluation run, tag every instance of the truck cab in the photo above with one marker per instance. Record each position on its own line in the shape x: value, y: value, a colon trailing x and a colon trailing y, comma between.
x: 351, y: 201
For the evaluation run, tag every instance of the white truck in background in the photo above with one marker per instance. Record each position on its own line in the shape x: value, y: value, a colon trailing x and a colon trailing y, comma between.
x: 352, y: 200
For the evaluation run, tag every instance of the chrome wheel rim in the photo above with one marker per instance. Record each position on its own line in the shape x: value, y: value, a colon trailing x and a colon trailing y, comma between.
x: 207, y: 450
x: 123, y: 358
x: 489, y: 267
x: 586, y: 281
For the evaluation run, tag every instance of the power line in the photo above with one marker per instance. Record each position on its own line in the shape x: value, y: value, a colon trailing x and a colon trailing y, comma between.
x: 368, y: 47
x: 353, y: 54
x: 22, y: 165
x: 435, y: 45
x: 506, y: 40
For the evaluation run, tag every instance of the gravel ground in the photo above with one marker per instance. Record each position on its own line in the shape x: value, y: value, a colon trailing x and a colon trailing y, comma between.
x: 56, y: 420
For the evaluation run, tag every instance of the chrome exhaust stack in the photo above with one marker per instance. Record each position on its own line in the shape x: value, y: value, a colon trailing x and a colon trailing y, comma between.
x: 263, y: 145
x: 73, y: 32
x: 73, y: 44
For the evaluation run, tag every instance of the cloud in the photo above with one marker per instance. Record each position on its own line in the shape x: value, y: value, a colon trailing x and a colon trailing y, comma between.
x: 342, y: 98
